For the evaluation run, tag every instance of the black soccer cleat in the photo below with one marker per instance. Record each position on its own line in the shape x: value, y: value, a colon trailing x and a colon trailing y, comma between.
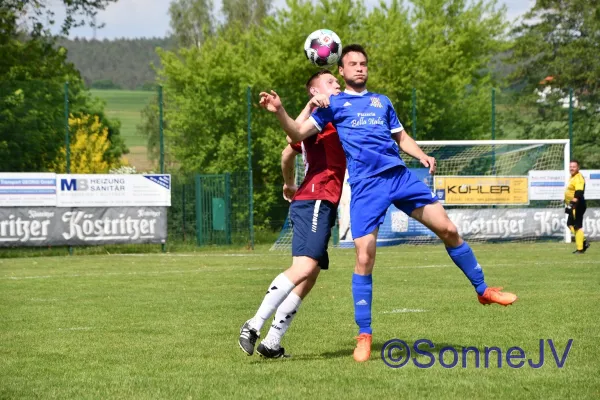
x: 267, y: 352
x: 586, y: 245
x: 248, y: 337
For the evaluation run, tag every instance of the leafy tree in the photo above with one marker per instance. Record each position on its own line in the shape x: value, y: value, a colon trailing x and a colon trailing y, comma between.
x: 90, y: 144
x: 85, y: 103
x: 245, y: 12
x: 30, y: 103
x: 191, y: 21
x: 207, y: 109
x: 32, y: 77
x: 39, y: 16
x: 442, y: 47
x: 556, y: 48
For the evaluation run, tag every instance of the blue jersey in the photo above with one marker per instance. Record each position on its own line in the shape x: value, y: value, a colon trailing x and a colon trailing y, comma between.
x: 365, y: 123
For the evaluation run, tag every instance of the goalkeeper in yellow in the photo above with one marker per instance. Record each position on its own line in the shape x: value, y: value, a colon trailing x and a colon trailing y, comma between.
x: 575, y: 206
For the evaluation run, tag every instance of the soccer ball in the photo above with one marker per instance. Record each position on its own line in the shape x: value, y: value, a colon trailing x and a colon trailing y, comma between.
x: 323, y: 48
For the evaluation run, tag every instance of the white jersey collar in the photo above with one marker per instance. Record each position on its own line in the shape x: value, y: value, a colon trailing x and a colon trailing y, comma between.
x: 352, y: 92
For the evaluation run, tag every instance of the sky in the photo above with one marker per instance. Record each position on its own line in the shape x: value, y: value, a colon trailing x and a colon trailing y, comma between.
x: 150, y: 18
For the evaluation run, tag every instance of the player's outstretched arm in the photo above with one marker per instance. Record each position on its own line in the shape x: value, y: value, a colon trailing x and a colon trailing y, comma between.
x: 305, y: 114
x: 288, y: 158
x: 318, y: 100
x: 410, y: 147
x: 297, y: 132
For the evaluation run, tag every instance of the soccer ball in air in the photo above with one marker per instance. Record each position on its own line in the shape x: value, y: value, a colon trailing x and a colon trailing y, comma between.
x: 323, y: 48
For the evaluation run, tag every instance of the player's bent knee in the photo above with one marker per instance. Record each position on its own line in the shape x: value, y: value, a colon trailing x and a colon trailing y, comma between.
x: 304, y: 288
x: 314, y: 274
x: 449, y: 234
x: 365, y: 259
x: 452, y: 231
x: 302, y: 269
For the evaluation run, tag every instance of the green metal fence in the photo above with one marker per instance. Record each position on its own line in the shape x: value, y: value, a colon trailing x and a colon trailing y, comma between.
x: 222, y: 209
x: 181, y: 216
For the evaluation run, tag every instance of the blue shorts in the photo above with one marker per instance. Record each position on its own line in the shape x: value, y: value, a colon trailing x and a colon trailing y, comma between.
x: 312, y: 221
x: 371, y: 197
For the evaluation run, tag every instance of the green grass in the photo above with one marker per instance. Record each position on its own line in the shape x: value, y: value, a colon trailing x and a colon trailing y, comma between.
x: 126, y: 106
x: 166, y: 326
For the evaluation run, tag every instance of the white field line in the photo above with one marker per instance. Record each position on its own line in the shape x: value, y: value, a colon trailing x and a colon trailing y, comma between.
x: 381, y: 251
x: 404, y: 310
x: 240, y: 268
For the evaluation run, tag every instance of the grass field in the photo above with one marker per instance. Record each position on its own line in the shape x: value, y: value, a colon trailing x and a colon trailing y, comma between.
x: 166, y: 326
x: 126, y: 106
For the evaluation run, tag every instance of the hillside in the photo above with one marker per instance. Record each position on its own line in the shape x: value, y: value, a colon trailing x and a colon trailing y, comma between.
x: 116, y: 64
x: 127, y: 63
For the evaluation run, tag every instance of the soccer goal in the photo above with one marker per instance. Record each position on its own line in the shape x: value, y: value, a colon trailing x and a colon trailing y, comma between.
x: 493, y: 190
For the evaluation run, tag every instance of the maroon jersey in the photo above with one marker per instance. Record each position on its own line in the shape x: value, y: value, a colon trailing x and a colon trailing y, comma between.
x: 324, y: 166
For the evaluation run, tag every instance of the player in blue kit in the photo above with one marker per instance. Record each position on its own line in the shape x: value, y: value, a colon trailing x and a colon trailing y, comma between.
x: 372, y: 136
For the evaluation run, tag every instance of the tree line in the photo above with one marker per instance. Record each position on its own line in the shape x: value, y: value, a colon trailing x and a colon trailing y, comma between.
x: 117, y: 64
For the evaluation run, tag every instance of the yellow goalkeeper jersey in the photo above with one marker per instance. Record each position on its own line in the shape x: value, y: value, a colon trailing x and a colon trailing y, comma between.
x: 577, y: 182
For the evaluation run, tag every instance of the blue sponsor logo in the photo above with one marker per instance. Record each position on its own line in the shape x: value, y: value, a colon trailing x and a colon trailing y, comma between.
x: 27, y: 182
x: 27, y: 191
x: 547, y: 184
x: 162, y: 180
x: 73, y: 184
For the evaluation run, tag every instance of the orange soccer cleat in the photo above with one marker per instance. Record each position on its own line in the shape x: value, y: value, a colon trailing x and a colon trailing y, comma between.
x: 362, y: 352
x: 494, y: 295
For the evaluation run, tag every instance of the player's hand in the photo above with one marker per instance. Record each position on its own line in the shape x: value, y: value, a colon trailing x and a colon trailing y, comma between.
x: 270, y: 102
x: 319, y: 100
x: 430, y: 163
x: 289, y: 192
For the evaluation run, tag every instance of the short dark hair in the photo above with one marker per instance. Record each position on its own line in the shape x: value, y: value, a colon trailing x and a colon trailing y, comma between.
x: 356, y: 48
x: 576, y: 162
x: 315, y: 76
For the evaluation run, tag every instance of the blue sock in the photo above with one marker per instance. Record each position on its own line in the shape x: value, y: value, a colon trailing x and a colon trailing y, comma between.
x: 464, y: 259
x: 362, y: 293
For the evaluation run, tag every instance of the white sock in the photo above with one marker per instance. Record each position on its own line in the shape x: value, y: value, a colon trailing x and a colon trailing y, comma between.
x: 279, y: 289
x: 283, y: 318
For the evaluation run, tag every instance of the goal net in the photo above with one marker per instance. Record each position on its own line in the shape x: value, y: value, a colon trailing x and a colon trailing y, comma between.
x: 502, y: 190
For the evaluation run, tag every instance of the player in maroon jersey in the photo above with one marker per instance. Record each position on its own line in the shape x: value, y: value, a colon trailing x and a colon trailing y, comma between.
x: 313, y: 211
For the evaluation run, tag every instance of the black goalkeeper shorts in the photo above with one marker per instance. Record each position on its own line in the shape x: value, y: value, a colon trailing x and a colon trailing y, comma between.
x: 575, y: 217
